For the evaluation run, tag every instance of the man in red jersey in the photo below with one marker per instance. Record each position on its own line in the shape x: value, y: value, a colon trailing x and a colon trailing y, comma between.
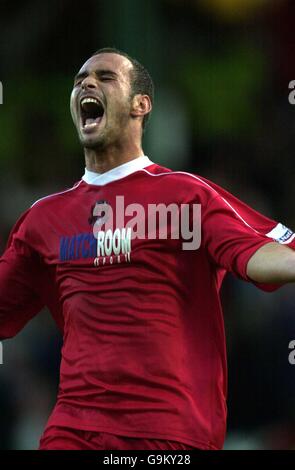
x: 143, y: 359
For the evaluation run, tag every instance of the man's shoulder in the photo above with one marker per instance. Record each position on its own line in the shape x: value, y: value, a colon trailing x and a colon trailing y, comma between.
x: 47, y: 207
x: 187, y: 179
x: 54, y: 199
x: 42, y: 212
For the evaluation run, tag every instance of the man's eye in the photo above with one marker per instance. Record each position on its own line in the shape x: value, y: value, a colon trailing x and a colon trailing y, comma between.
x: 106, y: 78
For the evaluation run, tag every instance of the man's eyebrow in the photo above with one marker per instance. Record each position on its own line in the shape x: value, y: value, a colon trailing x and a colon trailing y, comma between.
x: 98, y: 72
x: 105, y: 72
x: 80, y: 75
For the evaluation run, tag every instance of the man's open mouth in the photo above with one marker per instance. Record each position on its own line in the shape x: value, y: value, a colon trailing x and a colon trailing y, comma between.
x: 92, y: 112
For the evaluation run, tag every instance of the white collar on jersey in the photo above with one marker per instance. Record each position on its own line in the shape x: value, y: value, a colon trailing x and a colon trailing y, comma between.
x: 99, y: 179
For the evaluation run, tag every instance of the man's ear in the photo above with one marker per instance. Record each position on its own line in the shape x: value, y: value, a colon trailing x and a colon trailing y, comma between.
x: 141, y: 105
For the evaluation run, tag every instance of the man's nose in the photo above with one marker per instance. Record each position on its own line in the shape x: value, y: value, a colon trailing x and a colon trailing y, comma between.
x: 88, y: 82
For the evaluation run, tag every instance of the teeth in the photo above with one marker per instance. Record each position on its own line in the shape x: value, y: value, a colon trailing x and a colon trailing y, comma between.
x: 89, y: 100
x: 92, y: 124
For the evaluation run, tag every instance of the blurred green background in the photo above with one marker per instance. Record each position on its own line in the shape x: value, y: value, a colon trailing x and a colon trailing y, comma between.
x: 221, y: 70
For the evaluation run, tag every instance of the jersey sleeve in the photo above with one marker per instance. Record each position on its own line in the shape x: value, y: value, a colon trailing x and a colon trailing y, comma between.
x: 229, y: 239
x: 236, y: 217
x: 19, y: 301
x: 25, y: 285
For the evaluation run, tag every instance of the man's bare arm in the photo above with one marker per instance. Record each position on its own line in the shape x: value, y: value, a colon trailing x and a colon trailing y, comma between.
x: 272, y: 264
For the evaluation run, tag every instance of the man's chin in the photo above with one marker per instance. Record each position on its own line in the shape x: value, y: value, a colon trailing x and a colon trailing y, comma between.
x: 94, y: 145
x: 92, y: 141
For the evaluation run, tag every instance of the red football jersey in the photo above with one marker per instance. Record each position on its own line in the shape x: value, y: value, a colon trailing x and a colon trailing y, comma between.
x: 144, y: 346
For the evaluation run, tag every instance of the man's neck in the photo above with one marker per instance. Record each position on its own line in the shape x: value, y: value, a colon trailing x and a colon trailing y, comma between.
x: 103, y: 161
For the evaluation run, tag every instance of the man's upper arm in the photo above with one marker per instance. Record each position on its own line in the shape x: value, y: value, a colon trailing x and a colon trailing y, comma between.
x: 19, y: 278
x: 229, y: 238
